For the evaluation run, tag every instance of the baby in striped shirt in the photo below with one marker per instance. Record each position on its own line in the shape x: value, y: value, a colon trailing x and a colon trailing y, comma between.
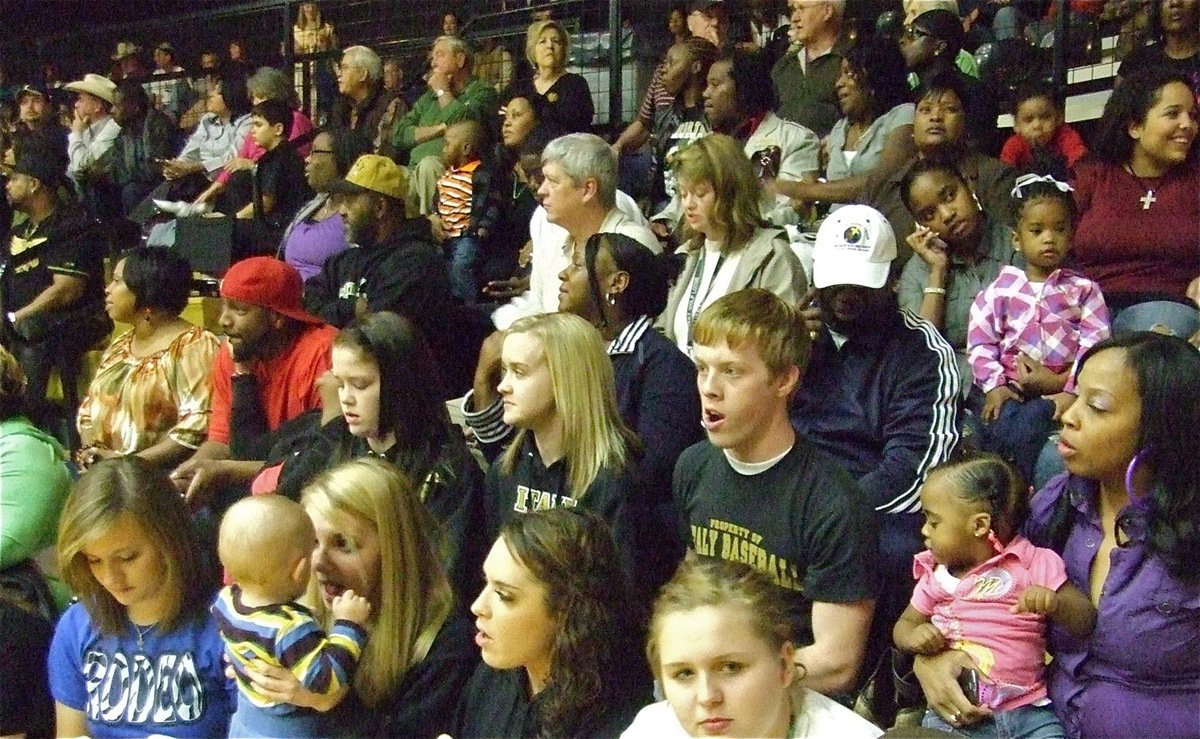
x: 467, y: 207
x: 266, y: 545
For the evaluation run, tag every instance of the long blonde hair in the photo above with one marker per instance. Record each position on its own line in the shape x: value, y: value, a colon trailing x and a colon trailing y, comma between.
x: 594, y: 436
x: 131, y: 485
x: 414, y: 593
x: 720, y: 161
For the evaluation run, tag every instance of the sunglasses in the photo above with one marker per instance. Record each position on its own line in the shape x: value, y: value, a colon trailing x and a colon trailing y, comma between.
x: 913, y: 33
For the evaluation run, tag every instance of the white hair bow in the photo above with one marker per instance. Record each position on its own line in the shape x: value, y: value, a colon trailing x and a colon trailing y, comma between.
x: 1026, y: 180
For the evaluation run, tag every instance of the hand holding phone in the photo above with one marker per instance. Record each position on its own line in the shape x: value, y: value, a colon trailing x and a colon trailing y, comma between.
x: 968, y: 680
x: 930, y: 247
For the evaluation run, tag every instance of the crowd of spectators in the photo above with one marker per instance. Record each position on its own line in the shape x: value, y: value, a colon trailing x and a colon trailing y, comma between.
x: 744, y: 408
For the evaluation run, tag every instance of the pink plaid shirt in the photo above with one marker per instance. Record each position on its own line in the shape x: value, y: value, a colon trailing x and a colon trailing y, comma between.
x: 1054, y: 324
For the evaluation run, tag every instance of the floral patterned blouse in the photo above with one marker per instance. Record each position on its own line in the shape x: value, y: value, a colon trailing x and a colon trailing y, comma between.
x: 133, y: 402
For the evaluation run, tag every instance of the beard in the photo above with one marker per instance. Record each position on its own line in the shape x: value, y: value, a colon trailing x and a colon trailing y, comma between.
x: 362, y: 233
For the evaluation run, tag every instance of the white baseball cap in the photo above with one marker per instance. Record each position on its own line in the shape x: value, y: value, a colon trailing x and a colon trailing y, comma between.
x: 855, y: 246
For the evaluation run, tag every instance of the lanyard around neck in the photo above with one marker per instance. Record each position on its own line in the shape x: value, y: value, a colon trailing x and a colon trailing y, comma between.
x: 693, y: 309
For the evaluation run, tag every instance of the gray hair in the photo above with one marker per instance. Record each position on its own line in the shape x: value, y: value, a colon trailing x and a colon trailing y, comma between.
x: 584, y: 155
x: 361, y: 57
x: 459, y: 46
x: 271, y: 84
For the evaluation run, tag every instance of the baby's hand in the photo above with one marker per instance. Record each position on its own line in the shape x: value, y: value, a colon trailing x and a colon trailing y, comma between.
x: 351, y: 607
x: 926, y: 639
x: 1037, y: 599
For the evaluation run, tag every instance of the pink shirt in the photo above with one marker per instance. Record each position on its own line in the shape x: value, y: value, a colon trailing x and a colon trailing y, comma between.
x: 1054, y: 322
x: 973, y: 613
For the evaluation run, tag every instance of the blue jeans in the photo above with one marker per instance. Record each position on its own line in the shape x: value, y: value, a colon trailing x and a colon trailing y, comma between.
x: 1026, y: 722
x: 1163, y: 315
x: 251, y: 721
x: 463, y: 252
x: 1020, y: 432
x: 1049, y: 464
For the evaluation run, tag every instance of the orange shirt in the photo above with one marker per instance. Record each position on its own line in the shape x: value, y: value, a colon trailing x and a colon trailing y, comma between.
x: 454, y: 198
x: 286, y: 383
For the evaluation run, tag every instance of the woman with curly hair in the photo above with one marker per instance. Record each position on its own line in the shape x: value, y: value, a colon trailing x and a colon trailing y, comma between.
x: 729, y: 246
x: 875, y: 131
x: 1124, y: 520
x: 557, y: 634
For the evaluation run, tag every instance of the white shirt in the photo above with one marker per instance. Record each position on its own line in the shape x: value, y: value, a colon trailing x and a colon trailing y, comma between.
x: 86, y: 148
x: 819, y: 717
x: 552, y: 246
x: 713, y: 284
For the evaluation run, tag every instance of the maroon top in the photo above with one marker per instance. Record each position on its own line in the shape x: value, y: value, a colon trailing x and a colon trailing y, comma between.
x: 1138, y: 235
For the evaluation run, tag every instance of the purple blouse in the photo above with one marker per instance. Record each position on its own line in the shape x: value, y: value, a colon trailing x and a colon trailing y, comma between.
x: 310, y: 243
x: 1139, y: 672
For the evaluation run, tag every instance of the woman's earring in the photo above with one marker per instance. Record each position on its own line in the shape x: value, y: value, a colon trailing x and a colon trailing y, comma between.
x: 1130, y: 471
x: 611, y: 298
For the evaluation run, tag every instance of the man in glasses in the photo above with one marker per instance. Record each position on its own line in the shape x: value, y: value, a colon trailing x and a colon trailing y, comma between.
x: 930, y: 45
x: 806, y: 76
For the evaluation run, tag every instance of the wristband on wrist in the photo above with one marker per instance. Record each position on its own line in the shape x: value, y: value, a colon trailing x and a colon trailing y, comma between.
x: 935, y: 291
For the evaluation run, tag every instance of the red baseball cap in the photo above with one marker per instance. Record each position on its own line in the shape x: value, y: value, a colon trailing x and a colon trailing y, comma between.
x: 270, y: 283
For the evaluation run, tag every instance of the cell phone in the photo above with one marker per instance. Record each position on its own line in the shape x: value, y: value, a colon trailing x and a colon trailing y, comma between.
x: 968, y: 680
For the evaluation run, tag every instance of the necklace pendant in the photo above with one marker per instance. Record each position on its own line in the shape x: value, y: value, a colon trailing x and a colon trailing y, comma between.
x: 1147, y: 199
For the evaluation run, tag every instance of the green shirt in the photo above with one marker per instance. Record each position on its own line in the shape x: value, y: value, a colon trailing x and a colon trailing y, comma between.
x: 477, y: 101
x: 807, y: 94
x: 34, y: 484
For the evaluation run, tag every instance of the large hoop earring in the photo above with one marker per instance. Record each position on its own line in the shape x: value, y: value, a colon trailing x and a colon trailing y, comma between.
x: 1130, y: 471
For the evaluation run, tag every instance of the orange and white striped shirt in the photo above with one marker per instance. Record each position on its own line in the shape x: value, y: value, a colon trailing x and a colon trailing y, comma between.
x: 454, y: 199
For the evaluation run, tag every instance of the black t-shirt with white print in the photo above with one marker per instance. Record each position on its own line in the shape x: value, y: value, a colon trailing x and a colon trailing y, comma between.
x: 803, y: 522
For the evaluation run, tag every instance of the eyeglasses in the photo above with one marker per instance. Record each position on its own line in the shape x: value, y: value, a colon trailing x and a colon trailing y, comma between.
x: 913, y: 33
x: 320, y: 151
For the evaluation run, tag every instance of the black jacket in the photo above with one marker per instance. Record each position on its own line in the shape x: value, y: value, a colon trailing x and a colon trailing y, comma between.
x: 405, y: 275
x: 452, y: 491
x: 885, y: 405
x: 615, y: 496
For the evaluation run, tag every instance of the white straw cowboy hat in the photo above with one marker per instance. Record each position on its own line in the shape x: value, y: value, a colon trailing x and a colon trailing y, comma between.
x: 94, y: 84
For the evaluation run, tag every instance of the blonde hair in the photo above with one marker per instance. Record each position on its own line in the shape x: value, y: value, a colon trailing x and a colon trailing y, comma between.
x: 131, y: 486
x: 761, y: 318
x: 535, y: 32
x: 704, y: 581
x: 414, y: 593
x: 720, y: 161
x: 12, y: 386
x: 594, y: 436
x: 261, y: 538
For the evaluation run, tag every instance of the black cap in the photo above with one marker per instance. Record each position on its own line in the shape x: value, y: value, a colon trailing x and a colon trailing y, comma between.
x: 704, y: 6
x: 39, y: 159
x: 31, y: 90
x: 944, y: 26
